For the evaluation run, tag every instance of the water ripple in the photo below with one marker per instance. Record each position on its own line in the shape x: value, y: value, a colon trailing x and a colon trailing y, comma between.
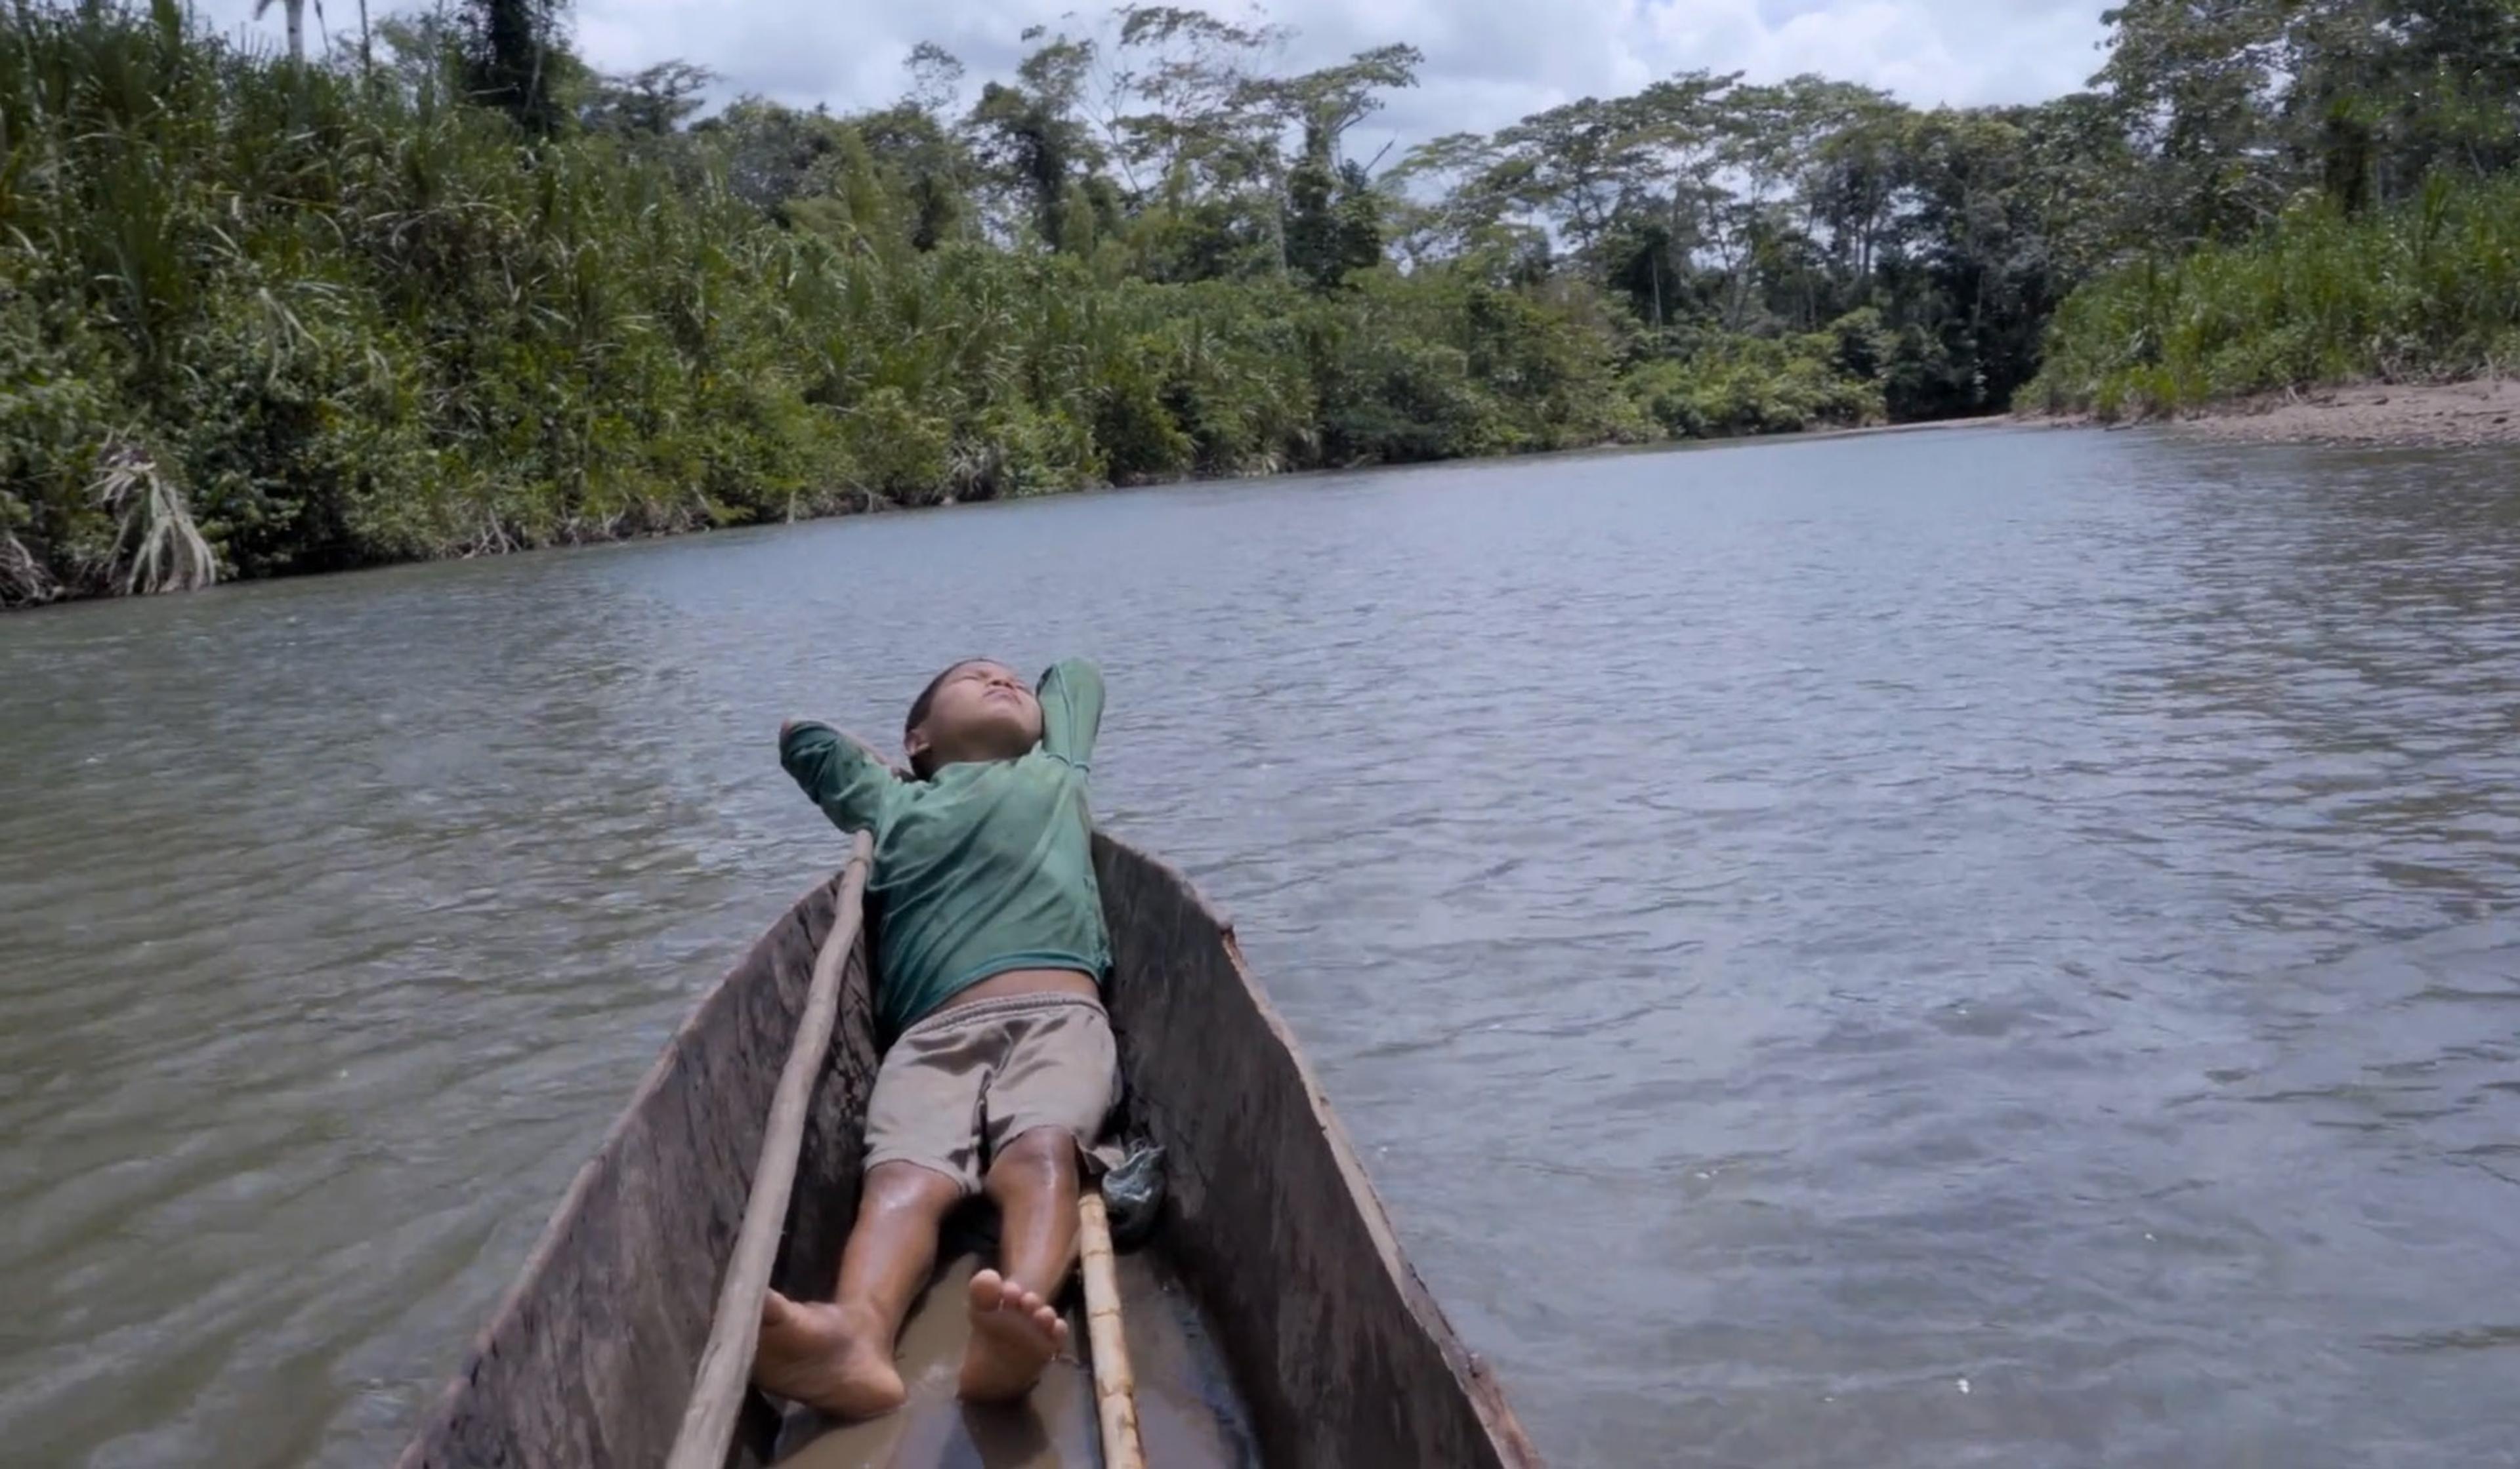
x: 1793, y: 929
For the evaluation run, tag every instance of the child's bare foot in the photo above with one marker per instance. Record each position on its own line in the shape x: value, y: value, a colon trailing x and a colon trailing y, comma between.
x: 1015, y: 1334
x: 827, y: 1358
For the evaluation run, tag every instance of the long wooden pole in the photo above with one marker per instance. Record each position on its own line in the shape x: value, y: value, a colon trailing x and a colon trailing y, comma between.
x: 726, y: 1364
x: 1115, y: 1386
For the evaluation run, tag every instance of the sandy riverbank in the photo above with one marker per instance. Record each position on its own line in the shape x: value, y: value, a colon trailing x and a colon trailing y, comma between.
x: 2431, y: 414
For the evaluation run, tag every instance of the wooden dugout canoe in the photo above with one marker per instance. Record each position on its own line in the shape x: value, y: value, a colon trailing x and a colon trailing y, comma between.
x: 1336, y: 1354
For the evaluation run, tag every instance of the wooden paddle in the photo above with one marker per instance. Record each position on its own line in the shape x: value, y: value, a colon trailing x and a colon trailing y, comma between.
x: 726, y: 1364
x: 1115, y: 1386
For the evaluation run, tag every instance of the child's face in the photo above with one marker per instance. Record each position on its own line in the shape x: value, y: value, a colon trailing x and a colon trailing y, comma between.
x: 982, y: 711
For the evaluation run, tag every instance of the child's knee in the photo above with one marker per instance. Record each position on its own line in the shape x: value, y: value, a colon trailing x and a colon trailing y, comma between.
x: 1041, y: 1156
x: 896, y: 1187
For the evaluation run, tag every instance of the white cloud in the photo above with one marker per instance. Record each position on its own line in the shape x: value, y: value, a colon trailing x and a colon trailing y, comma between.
x: 1488, y: 61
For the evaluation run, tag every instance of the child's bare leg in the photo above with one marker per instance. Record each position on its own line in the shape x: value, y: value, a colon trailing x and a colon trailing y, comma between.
x: 838, y: 1356
x: 1016, y: 1332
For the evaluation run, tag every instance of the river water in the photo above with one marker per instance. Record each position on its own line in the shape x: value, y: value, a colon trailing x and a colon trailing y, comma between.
x: 1980, y: 947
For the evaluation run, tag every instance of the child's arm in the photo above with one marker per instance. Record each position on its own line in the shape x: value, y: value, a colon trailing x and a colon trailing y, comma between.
x: 1071, y: 711
x: 842, y: 774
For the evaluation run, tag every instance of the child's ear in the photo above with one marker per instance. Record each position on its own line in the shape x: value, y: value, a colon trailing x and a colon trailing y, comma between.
x: 915, y: 744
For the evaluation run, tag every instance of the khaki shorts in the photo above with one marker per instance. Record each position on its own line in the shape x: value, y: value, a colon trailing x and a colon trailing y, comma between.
x: 969, y: 1080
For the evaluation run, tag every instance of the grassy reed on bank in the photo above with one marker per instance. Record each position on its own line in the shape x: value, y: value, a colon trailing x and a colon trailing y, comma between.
x: 2427, y: 290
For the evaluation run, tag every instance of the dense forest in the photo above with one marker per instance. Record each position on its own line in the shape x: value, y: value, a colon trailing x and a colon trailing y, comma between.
x: 445, y: 289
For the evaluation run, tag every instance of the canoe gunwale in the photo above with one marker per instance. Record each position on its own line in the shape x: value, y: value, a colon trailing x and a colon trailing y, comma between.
x: 1486, y: 1393
x: 452, y: 1429
x: 1341, y: 1354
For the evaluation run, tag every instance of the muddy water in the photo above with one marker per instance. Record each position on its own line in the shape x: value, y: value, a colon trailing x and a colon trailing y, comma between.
x: 1979, y: 947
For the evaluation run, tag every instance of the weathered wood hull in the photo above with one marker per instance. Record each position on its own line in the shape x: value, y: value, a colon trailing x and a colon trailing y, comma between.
x: 1339, y: 1356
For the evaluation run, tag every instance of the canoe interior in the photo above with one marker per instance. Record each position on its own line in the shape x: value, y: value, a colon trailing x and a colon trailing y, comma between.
x: 1189, y: 1415
x: 1274, y: 1265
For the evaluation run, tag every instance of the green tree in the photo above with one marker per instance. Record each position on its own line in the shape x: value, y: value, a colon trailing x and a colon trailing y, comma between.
x: 1034, y: 145
x: 514, y: 60
x: 651, y: 103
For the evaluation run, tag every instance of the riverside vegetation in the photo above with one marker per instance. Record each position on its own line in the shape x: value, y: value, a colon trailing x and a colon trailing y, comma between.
x: 446, y: 290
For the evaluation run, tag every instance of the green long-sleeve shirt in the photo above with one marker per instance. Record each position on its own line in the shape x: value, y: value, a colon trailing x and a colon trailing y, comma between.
x: 981, y: 868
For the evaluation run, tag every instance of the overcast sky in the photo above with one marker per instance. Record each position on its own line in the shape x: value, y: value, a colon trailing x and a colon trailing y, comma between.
x: 1488, y: 61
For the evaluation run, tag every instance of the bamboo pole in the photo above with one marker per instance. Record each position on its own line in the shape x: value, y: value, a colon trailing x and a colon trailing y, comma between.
x: 1115, y: 1386
x: 726, y: 1364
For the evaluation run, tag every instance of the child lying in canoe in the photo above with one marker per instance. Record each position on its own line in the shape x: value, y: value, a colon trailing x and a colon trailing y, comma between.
x: 1001, y: 1066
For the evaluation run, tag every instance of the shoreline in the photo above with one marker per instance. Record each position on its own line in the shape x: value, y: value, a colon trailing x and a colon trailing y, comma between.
x: 886, y: 508
x: 2479, y: 412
